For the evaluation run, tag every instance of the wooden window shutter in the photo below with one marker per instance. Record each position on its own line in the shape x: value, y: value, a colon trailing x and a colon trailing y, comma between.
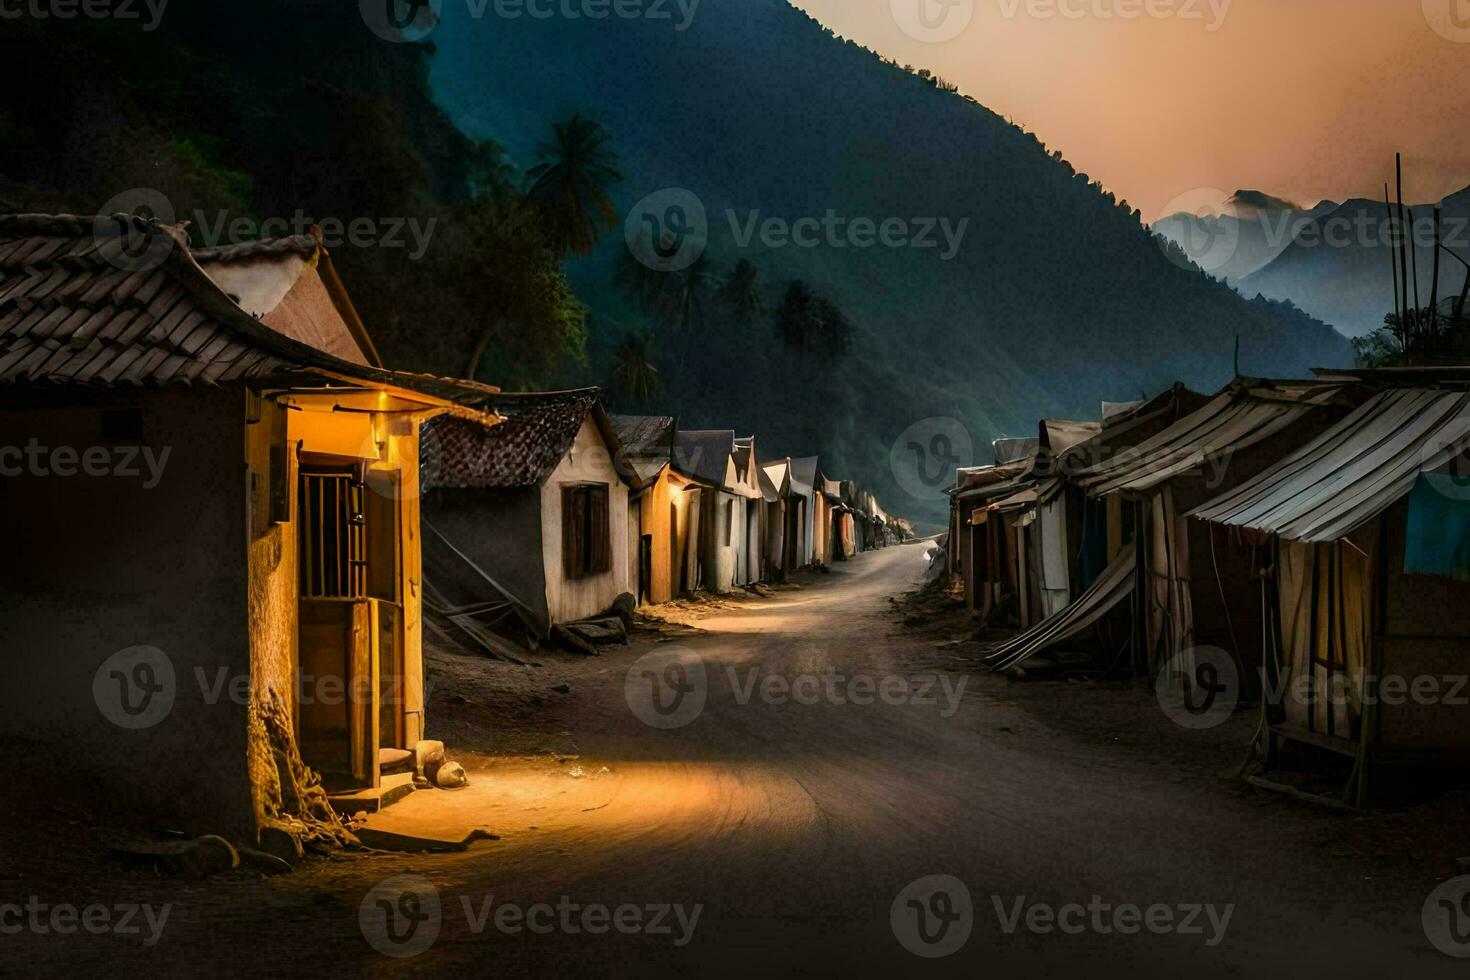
x: 600, y: 529
x: 571, y: 531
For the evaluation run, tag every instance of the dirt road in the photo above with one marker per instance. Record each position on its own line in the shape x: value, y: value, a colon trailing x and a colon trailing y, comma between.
x: 779, y: 828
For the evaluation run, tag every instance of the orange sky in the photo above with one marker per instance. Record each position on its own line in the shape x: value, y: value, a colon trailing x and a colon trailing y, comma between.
x: 1304, y: 99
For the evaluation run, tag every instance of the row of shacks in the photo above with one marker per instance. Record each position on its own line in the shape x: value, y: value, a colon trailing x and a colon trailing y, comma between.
x: 555, y: 512
x: 1311, y: 539
x: 228, y: 526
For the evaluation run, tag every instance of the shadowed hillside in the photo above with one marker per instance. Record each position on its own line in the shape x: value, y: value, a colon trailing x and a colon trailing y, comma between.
x: 1057, y: 298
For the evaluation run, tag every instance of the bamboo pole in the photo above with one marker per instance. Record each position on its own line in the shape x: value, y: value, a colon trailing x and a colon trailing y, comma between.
x: 1398, y: 165
x: 1393, y: 267
x: 1434, y: 284
x: 1413, y: 248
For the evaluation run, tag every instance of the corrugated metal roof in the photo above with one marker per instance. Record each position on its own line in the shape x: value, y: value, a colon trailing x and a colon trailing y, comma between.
x: 1246, y: 414
x: 1123, y: 430
x: 1113, y: 586
x: 1354, y: 470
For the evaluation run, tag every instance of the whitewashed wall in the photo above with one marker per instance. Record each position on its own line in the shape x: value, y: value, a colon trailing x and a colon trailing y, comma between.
x: 588, y: 461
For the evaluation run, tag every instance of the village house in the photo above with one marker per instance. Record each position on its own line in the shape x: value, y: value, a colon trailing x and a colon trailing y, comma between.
x: 648, y: 448
x: 1189, y: 588
x: 804, y: 478
x: 788, y: 520
x: 535, y: 510
x: 1363, y: 535
x: 824, y: 529
x: 830, y: 520
x: 772, y: 507
x: 1096, y: 559
x: 748, y: 476
x: 726, y: 501
x: 232, y: 595
x: 982, y: 553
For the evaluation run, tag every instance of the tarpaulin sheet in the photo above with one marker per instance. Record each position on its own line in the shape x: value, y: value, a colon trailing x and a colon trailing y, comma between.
x: 1437, y: 539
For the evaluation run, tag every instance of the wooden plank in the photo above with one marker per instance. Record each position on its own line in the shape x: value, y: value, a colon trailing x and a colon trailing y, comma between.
x: 1341, y: 746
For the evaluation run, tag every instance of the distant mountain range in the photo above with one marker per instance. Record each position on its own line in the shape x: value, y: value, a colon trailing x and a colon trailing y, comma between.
x: 1332, y: 260
x: 1249, y: 231
x: 1056, y: 296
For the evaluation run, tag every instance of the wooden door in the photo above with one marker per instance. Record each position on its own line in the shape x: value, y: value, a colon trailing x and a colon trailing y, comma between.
x: 337, y: 726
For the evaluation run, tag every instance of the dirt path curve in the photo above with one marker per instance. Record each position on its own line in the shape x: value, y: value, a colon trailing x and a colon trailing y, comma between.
x: 794, y: 823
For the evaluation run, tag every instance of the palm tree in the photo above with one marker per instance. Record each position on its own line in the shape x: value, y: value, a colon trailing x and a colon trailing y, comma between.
x: 807, y: 321
x: 834, y: 329
x: 639, y: 282
x: 796, y: 320
x: 741, y: 292
x: 570, y: 184
x: 681, y: 301
x: 633, y: 367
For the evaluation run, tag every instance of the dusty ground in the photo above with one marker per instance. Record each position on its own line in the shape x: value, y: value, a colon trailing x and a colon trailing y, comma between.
x: 794, y: 826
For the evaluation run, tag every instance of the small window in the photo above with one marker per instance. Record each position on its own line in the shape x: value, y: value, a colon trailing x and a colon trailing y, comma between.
x: 333, y: 538
x: 729, y: 523
x: 586, y: 538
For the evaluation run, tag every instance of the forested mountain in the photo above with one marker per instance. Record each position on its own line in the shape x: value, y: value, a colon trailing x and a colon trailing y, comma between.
x: 1057, y: 298
x: 1048, y: 297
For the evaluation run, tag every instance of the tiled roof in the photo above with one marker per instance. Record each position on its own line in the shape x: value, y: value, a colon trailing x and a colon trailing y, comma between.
x: 519, y: 452
x: 119, y: 300
x: 645, y: 436
x: 122, y: 300
x: 302, y: 245
x: 514, y: 403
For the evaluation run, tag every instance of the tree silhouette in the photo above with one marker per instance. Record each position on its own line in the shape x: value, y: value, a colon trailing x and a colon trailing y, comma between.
x: 640, y: 283
x: 807, y: 321
x: 633, y: 369
x: 570, y: 184
x: 741, y: 292
x: 681, y: 300
x: 796, y: 321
